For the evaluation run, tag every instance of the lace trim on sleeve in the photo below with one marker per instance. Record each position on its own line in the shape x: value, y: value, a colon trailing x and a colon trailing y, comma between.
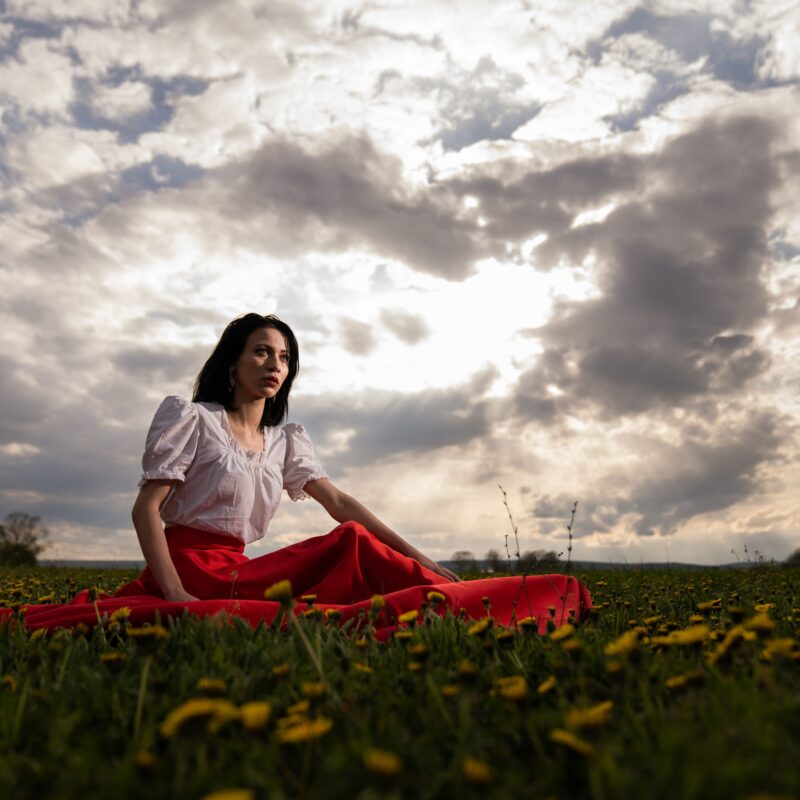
x: 161, y: 475
x: 298, y: 494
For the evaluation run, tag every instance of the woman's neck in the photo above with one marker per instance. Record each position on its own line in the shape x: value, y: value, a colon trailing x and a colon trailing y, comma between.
x: 247, y: 414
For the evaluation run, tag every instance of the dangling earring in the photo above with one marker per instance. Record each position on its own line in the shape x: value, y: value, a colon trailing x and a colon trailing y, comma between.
x: 231, y: 382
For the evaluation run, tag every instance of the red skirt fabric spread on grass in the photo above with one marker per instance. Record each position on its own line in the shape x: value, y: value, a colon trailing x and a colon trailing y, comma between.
x: 343, y: 568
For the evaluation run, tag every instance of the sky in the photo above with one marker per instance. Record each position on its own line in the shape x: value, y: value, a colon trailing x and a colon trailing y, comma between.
x: 547, y: 247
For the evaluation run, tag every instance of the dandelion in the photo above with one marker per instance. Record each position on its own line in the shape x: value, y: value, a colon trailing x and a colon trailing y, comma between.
x: 312, y: 689
x: 683, y: 680
x: 466, y: 669
x: 10, y: 682
x: 38, y: 634
x: 419, y: 651
x: 436, y: 598
x: 298, y: 709
x: 280, y: 591
x: 547, y: 685
x: 591, y: 717
x: 403, y: 636
x: 153, y: 633
x: 332, y: 614
x: 280, y: 670
x: 121, y: 614
x: 513, y: 688
x: 408, y: 616
x: 211, y: 686
x: 695, y: 635
x: 450, y: 690
x: 570, y: 740
x: 207, y: 707
x: 476, y: 771
x: 255, y: 714
x: 562, y: 633
x: 377, y: 603
x: 113, y: 658
x: 415, y: 666
x: 358, y: 666
x: 782, y: 648
x: 623, y: 646
x: 710, y: 605
x: 529, y: 624
x: 362, y: 642
x: 308, y: 599
x: 760, y: 624
x: 48, y: 598
x: 381, y: 762
x: 304, y: 730
x: 764, y: 607
x: 479, y: 627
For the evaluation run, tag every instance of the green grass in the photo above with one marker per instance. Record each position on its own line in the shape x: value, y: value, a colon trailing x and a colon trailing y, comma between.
x: 68, y: 720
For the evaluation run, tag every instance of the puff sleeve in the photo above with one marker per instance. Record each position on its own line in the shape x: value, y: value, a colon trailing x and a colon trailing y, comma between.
x: 301, y: 464
x: 171, y: 441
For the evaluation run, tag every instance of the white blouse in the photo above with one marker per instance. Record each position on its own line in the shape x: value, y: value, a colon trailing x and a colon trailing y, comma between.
x: 223, y: 487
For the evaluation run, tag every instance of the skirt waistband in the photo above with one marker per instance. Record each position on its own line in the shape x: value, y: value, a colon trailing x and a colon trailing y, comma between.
x: 182, y: 537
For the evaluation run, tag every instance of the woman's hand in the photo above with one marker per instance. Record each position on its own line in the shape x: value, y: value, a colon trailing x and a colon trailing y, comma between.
x: 439, y: 569
x: 179, y: 596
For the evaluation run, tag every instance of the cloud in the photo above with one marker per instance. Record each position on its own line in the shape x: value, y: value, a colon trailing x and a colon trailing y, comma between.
x: 409, y: 328
x: 679, y: 274
x: 358, y: 337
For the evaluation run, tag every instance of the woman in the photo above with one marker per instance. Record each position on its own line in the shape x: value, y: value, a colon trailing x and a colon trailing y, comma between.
x: 218, y: 465
x: 214, y: 471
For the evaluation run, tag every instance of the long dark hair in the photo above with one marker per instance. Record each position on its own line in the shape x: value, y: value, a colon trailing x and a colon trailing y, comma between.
x: 213, y: 381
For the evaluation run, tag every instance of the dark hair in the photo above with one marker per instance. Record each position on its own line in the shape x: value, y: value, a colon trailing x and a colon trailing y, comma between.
x: 213, y: 381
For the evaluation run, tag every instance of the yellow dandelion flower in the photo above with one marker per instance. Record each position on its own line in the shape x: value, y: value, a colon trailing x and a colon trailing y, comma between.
x: 782, y: 648
x: 764, y: 607
x: 476, y: 771
x: 466, y: 668
x: 255, y: 714
x: 547, y: 685
x: 362, y: 642
x: 211, y: 685
x: 281, y: 591
x: 514, y: 687
x: 10, y: 682
x: 332, y: 613
x: 436, y: 598
x: 121, y: 614
x: 696, y: 618
x: 280, y: 670
x: 684, y: 679
x: 562, y: 633
x: 154, y: 633
x: 377, y: 603
x: 403, y: 635
x: 418, y: 651
x: 197, y: 708
x: 382, y: 762
x: 697, y: 634
x: 38, y: 634
x: 479, y: 627
x: 652, y: 620
x: 312, y: 689
x: 308, y: 598
x: 450, y: 690
x: 408, y: 616
x: 304, y: 730
x: 759, y: 624
x: 591, y: 717
x: 415, y: 666
x: 47, y: 598
x: 560, y: 736
x: 360, y: 667
x: 624, y: 645
x: 710, y: 605
x: 230, y: 794
x: 529, y: 623
x: 113, y: 657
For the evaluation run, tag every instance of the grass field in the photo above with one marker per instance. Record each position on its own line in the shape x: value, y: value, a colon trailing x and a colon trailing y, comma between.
x: 681, y: 685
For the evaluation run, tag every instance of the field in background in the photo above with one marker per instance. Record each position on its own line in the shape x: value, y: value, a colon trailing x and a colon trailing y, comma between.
x: 682, y: 684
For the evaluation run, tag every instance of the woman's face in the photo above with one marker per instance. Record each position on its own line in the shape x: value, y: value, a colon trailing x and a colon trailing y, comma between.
x: 263, y: 365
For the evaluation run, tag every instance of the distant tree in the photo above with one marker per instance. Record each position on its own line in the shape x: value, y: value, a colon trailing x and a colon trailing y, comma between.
x: 494, y: 561
x: 794, y: 559
x: 465, y: 561
x: 21, y: 538
x: 539, y: 558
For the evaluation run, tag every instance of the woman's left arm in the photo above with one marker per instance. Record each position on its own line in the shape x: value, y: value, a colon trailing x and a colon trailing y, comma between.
x: 342, y: 507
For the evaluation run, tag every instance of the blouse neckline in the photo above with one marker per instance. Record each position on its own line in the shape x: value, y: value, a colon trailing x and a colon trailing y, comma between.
x: 250, y: 455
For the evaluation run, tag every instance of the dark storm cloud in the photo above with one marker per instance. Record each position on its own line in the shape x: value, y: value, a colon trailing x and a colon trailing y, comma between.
x: 386, y: 424
x: 347, y: 195
x: 708, y: 471
x: 679, y: 271
x: 409, y: 328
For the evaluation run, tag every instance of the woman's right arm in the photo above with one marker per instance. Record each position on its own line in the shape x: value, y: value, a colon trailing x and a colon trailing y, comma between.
x: 149, y: 529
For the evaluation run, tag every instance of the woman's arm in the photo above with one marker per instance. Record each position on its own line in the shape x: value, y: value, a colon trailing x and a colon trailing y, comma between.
x: 342, y: 507
x: 149, y: 529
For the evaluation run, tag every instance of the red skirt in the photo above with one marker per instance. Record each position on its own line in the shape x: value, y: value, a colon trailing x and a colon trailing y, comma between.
x: 343, y: 568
